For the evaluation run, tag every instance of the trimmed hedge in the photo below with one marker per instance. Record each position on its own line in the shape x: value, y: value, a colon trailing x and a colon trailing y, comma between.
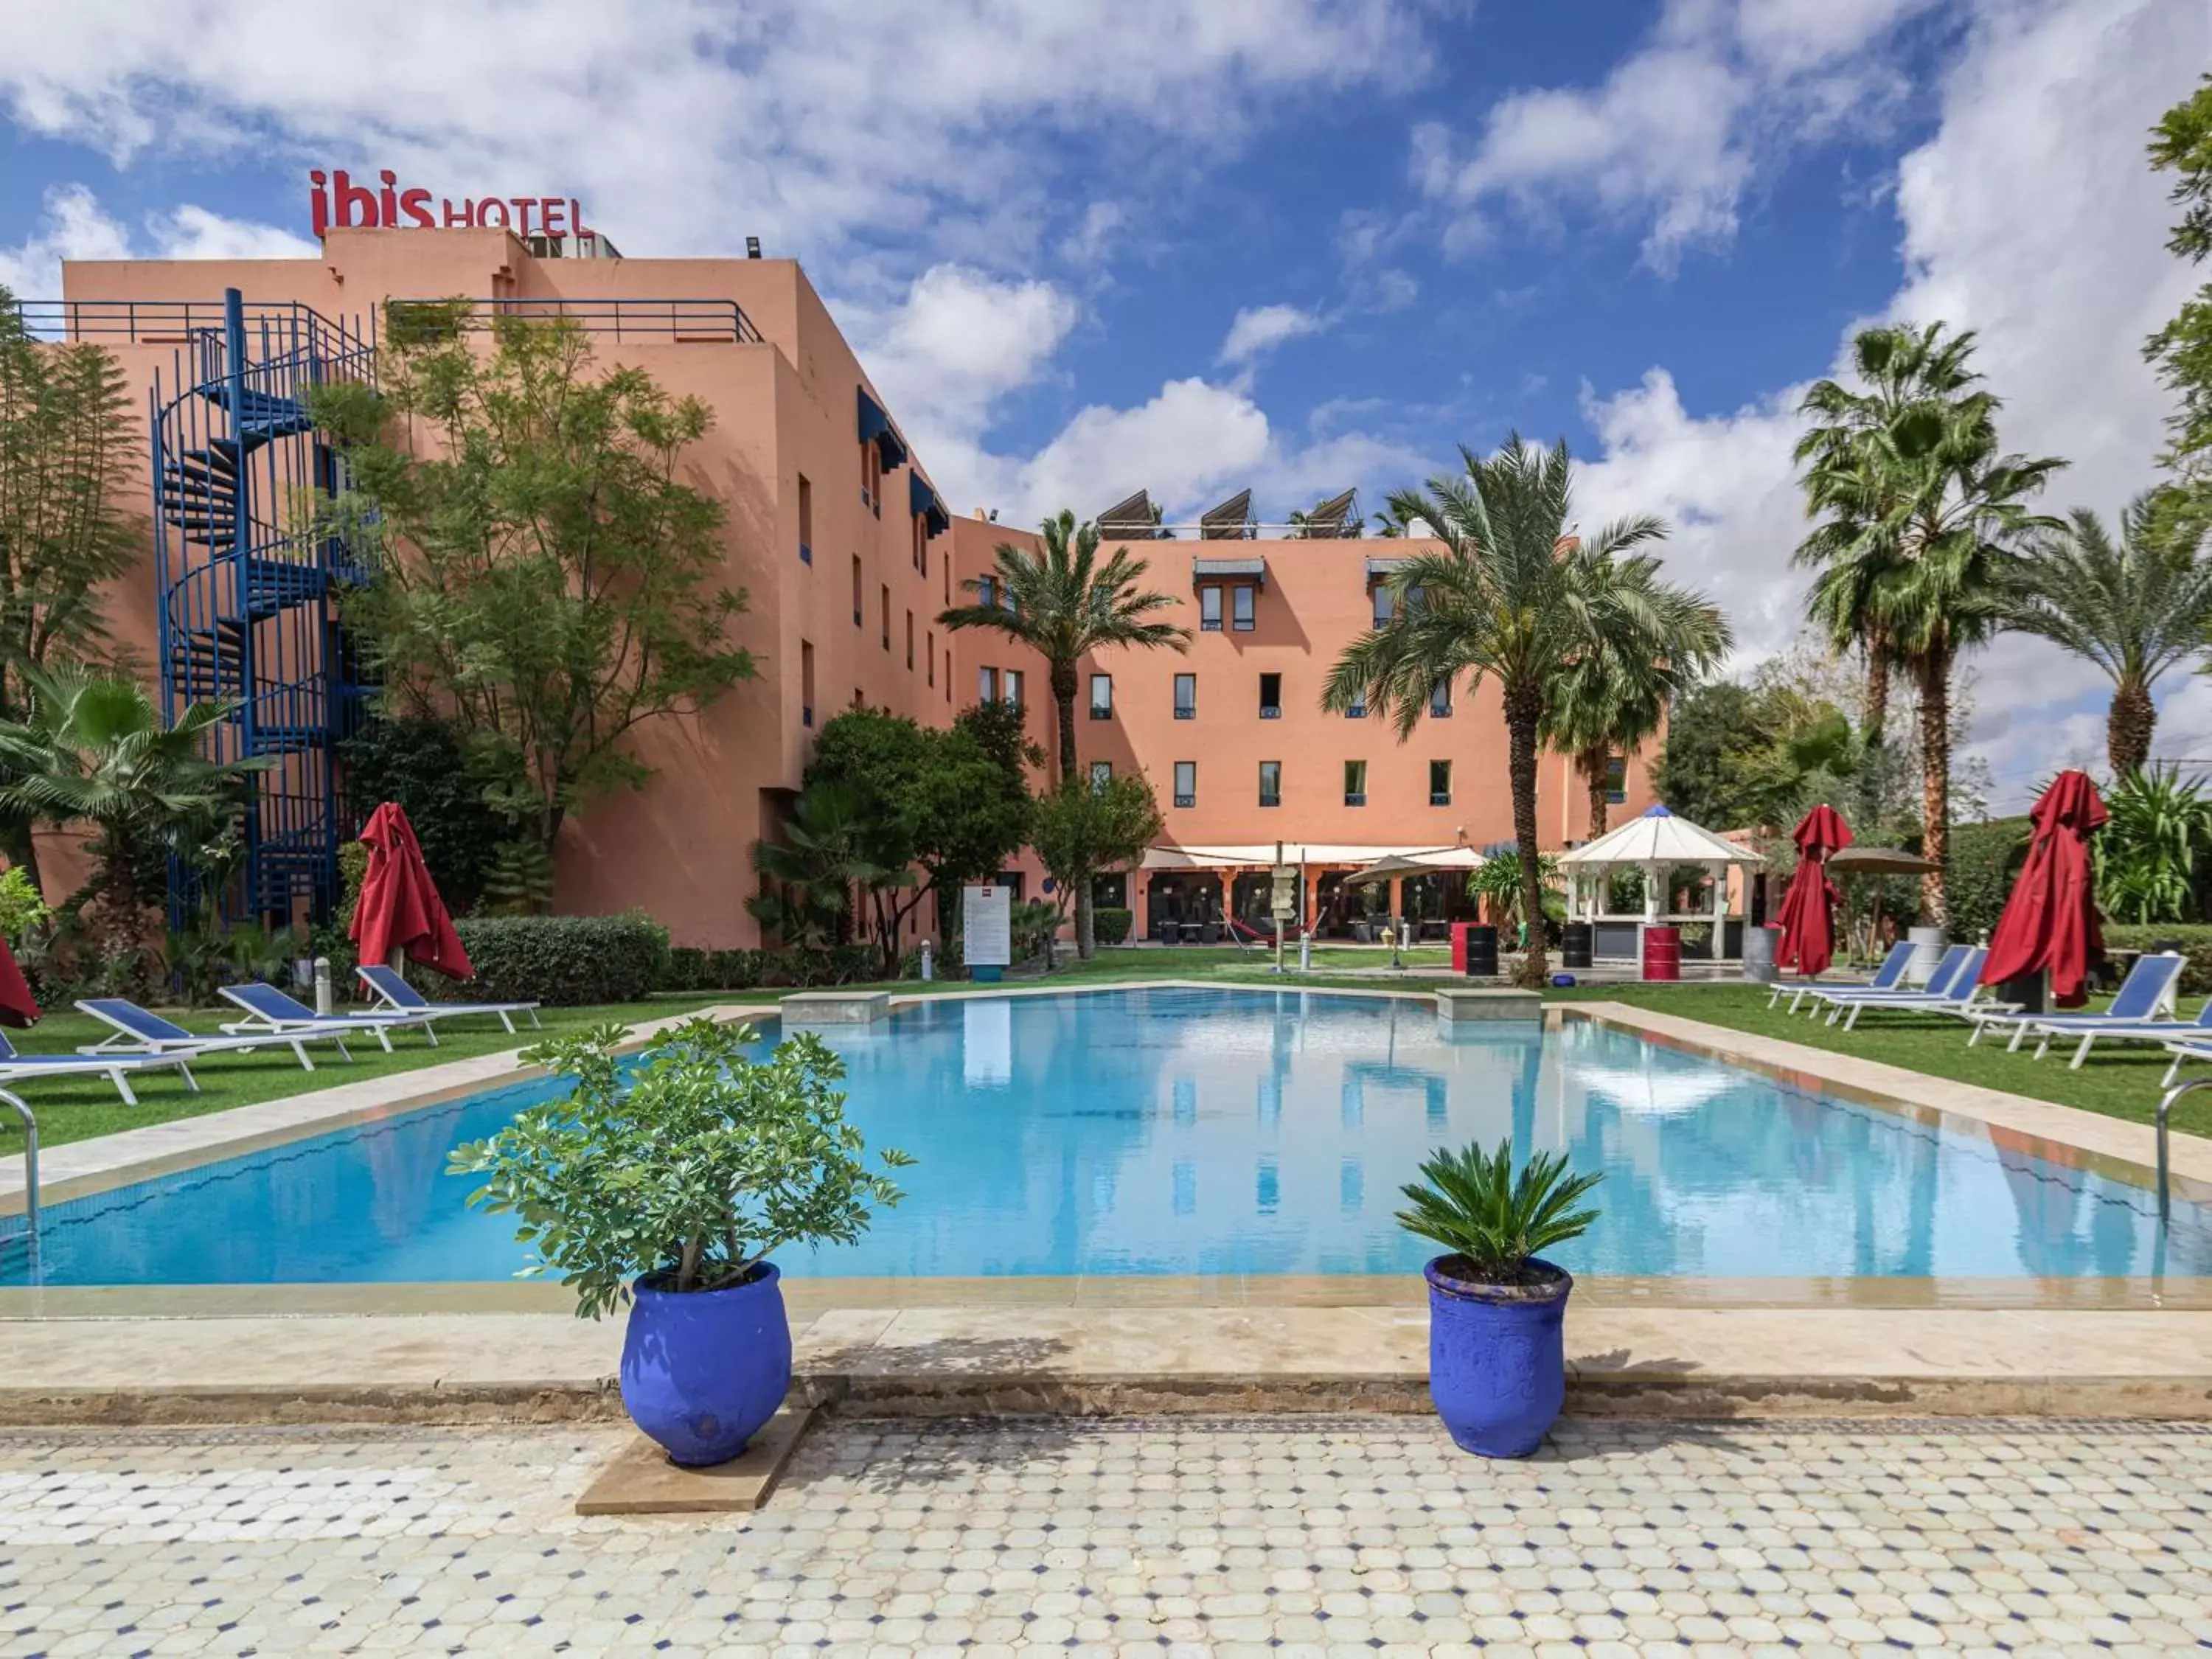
x: 2194, y: 938
x: 1112, y: 926
x: 564, y: 961
x: 693, y: 968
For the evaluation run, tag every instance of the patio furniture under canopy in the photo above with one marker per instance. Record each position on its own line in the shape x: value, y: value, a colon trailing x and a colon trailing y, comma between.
x: 1878, y: 861
x: 1655, y: 843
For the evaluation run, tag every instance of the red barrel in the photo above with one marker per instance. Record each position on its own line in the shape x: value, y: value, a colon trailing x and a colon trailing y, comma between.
x: 1662, y: 953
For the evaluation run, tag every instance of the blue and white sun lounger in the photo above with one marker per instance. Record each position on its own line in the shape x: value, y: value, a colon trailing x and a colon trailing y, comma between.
x: 1841, y: 997
x: 116, y: 1068
x: 269, y: 1011
x: 2145, y: 997
x: 1889, y: 977
x: 138, y: 1030
x: 1958, y: 994
x: 399, y: 995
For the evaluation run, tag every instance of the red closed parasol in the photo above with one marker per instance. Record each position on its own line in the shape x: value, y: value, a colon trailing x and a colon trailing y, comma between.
x: 17, y: 1006
x: 2050, y: 923
x: 1809, y: 909
x: 400, y: 909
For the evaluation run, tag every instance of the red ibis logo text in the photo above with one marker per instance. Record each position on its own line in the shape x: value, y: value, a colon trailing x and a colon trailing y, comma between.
x: 338, y: 203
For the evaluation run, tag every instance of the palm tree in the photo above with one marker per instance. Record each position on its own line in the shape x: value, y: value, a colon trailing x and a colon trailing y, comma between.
x: 1611, y: 702
x: 1846, y: 451
x: 2135, y: 608
x: 809, y: 873
x: 1958, y: 517
x: 1511, y: 593
x: 91, y: 748
x: 1064, y: 602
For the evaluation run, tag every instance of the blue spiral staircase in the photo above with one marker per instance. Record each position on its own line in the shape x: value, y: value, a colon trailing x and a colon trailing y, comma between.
x: 247, y: 569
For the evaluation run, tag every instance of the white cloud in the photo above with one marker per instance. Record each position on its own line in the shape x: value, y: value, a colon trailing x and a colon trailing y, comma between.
x: 2030, y: 216
x: 72, y: 225
x: 1258, y: 330
x: 1676, y: 133
x: 813, y: 124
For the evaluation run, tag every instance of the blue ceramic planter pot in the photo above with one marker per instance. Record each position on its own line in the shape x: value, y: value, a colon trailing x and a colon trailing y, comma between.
x: 1498, y: 1369
x: 703, y: 1371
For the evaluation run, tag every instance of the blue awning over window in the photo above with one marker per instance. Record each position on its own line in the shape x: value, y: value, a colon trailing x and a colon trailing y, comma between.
x: 876, y: 429
x: 921, y: 498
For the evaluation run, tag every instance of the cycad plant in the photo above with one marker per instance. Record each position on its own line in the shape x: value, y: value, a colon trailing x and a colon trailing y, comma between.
x: 2147, y: 854
x: 1490, y: 1223
x: 2135, y: 606
x: 1516, y: 593
x: 1064, y: 601
x: 92, y: 749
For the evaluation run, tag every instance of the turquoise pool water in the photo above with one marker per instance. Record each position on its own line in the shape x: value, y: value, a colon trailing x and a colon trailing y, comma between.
x: 1218, y: 1131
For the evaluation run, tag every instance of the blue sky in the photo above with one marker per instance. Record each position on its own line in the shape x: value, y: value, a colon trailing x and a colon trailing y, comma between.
x: 1194, y: 244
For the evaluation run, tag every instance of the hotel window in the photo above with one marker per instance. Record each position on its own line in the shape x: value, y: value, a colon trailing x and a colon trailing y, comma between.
x: 1355, y: 783
x: 1440, y: 701
x: 887, y: 616
x: 1271, y: 783
x: 1101, y: 696
x: 1385, y: 606
x: 986, y: 590
x: 806, y: 520
x: 1357, y: 709
x: 1440, y: 783
x: 1616, y: 779
x: 1186, y: 701
x: 1014, y: 684
x: 857, y: 589
x: 929, y: 652
x: 1240, y: 608
x: 871, y: 477
x: 922, y: 542
x: 1101, y: 773
x: 910, y: 641
x: 1186, y: 783
x: 948, y: 674
x: 805, y: 682
x: 986, y: 685
x: 1209, y: 610
x: 1271, y: 696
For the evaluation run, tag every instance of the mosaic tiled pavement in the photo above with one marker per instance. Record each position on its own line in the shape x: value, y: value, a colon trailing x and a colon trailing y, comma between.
x: 1183, y: 1537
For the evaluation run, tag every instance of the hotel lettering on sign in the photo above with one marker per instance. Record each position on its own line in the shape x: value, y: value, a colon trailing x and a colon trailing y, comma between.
x: 338, y: 201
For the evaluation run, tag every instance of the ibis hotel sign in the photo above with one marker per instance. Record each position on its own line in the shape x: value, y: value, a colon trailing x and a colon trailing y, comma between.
x: 340, y: 202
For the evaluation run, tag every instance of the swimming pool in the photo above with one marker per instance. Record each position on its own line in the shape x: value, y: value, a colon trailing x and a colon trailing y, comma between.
x: 1219, y: 1131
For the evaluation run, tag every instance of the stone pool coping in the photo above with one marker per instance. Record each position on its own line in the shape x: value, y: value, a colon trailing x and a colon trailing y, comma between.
x: 968, y: 1359
x: 2058, y: 1134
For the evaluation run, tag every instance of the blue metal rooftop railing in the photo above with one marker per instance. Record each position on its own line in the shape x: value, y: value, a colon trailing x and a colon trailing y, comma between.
x: 680, y: 322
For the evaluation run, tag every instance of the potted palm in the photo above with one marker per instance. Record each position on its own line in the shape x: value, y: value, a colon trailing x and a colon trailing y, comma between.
x: 670, y: 1183
x: 1497, y: 1344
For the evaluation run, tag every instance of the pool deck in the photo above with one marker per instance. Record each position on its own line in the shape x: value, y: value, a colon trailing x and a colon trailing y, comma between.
x: 2137, y: 1347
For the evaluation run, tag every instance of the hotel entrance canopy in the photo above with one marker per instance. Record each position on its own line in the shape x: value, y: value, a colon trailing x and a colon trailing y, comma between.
x: 1246, y: 855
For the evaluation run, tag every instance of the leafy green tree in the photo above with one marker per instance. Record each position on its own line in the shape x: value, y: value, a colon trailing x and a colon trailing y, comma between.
x: 1740, y: 756
x: 951, y: 800
x: 92, y: 749
x: 1515, y: 595
x: 1611, y: 701
x: 1081, y: 828
x: 1497, y: 881
x: 1065, y: 603
x: 2135, y: 607
x: 2181, y: 144
x: 68, y: 459
x: 544, y: 573
x: 421, y: 761
x: 2149, y: 854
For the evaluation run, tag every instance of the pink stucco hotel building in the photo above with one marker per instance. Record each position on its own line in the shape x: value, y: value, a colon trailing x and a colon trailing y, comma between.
x: 847, y: 552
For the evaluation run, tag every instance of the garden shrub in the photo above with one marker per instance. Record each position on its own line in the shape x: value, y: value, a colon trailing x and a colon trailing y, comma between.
x: 2195, y: 939
x: 1984, y: 859
x: 733, y: 970
x: 1112, y: 926
x: 564, y: 961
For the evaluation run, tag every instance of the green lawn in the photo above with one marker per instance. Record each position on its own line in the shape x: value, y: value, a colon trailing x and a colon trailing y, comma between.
x: 78, y: 1107
x: 2120, y: 1079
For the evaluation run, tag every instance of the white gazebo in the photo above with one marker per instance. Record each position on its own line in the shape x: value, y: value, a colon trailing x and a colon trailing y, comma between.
x: 1655, y: 843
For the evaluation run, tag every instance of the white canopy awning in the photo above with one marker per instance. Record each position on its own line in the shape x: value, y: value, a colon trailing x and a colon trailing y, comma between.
x: 1262, y: 855
x: 1658, y: 837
